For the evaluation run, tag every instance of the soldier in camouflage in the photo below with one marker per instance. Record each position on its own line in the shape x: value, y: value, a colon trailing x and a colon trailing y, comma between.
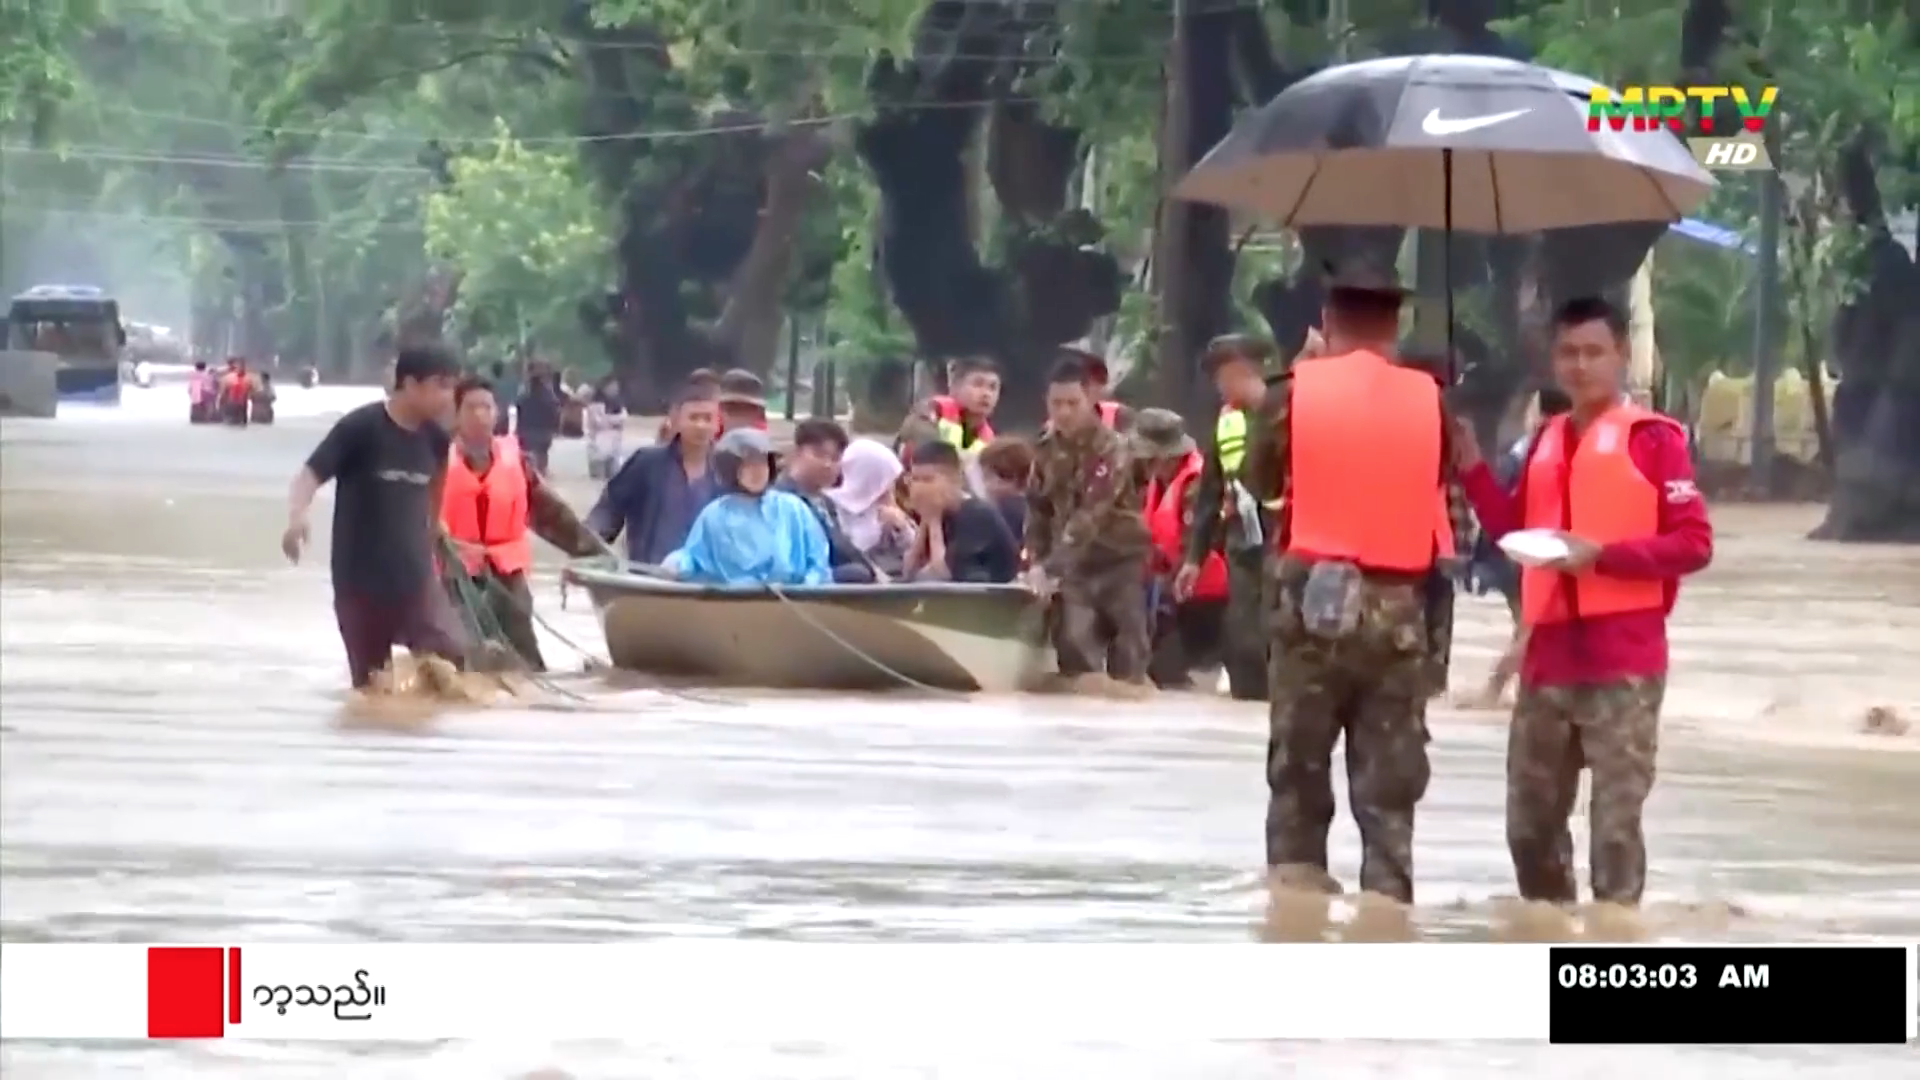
x: 1085, y: 537
x: 1370, y: 683
x: 1228, y: 515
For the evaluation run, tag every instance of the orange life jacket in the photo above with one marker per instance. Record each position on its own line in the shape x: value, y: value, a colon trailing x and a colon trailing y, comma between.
x: 951, y: 421
x: 503, y: 532
x: 238, y: 389
x: 1365, y: 440
x: 1601, y: 496
x: 1165, y: 507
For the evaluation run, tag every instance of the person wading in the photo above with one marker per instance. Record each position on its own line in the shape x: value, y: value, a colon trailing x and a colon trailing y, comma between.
x: 1085, y: 537
x: 1359, y: 453
x: 1228, y: 516
x: 537, y: 414
x: 388, y: 460
x: 1616, y: 482
x: 1187, y: 626
x: 491, y: 502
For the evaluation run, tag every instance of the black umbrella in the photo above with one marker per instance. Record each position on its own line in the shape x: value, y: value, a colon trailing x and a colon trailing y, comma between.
x: 1475, y: 143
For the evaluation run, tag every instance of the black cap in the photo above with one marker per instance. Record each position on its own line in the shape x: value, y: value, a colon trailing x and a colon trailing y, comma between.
x: 419, y: 362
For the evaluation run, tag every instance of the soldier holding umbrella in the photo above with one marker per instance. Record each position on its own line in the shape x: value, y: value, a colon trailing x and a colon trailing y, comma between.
x: 1439, y: 142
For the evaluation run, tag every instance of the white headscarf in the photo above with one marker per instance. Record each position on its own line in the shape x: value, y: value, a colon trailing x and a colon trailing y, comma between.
x: 867, y: 473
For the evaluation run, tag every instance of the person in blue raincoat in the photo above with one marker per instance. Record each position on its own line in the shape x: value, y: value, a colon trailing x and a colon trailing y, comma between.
x: 752, y: 534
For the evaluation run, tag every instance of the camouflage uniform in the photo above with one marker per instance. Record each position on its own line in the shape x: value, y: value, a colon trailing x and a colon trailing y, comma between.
x: 1214, y: 527
x: 1372, y: 686
x: 1084, y: 529
x: 1612, y: 728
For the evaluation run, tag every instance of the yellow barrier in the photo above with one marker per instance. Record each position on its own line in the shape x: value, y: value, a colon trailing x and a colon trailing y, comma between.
x: 1726, y: 418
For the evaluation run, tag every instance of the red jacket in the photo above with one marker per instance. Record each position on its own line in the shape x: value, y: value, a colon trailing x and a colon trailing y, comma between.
x: 1608, y: 647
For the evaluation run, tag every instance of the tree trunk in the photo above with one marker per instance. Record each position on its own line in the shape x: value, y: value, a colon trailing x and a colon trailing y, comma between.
x: 750, y: 324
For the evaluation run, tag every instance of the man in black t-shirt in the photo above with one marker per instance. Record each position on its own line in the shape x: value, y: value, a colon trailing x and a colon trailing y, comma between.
x: 962, y: 538
x: 388, y: 460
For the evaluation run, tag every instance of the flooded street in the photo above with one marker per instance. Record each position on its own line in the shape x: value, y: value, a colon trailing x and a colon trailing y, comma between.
x: 175, y: 767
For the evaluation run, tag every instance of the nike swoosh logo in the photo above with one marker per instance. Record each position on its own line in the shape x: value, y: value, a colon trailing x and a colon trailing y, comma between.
x: 1434, y: 125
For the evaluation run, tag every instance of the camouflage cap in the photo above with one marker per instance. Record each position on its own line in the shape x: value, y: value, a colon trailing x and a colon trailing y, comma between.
x: 1160, y: 433
x: 1237, y: 347
x: 739, y: 387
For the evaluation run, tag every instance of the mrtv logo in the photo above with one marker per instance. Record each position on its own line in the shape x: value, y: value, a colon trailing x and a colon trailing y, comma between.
x: 1649, y: 108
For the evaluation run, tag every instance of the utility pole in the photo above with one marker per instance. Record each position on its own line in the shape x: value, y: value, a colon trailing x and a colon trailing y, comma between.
x: 1766, y: 338
x: 1169, y: 259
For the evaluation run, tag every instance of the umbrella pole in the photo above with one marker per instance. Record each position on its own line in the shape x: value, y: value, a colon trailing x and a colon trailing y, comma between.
x: 1446, y: 256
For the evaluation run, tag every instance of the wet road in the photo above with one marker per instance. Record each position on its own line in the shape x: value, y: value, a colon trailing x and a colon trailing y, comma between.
x: 174, y: 766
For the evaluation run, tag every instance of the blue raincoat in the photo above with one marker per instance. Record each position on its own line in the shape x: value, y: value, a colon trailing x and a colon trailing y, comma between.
x: 741, y: 539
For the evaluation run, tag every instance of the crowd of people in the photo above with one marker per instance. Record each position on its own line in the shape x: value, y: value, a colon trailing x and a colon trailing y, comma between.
x: 1303, y: 548
x: 234, y: 395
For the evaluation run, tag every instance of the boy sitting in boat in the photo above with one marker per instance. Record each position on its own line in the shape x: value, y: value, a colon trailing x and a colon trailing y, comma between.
x: 961, y: 537
x: 751, y: 534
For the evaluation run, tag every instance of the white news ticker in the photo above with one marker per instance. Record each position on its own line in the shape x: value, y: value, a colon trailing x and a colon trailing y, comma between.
x: 764, y: 991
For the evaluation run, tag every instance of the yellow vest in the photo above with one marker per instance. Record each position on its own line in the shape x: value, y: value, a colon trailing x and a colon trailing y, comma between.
x: 1230, y: 440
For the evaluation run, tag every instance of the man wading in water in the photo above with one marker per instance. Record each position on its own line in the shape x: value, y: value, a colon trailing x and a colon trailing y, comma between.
x: 491, y: 502
x: 389, y: 462
x: 1615, y: 480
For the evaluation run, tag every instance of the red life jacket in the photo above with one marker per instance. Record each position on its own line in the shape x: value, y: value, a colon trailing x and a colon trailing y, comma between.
x: 502, y: 532
x: 1165, y: 513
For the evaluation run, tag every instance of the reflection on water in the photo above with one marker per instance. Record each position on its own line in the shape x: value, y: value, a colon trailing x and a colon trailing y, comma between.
x: 176, y: 767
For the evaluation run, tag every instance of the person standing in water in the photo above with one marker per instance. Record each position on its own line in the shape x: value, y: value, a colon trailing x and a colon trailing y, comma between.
x: 1616, y: 482
x: 1357, y: 452
x: 490, y: 504
x: 752, y: 534
x: 1085, y: 536
x: 388, y: 459
x: 1230, y: 521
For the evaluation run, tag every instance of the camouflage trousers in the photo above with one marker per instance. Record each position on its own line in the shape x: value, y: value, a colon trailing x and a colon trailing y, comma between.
x: 1103, y: 623
x: 1611, y: 728
x: 1371, y: 688
x: 1244, y: 634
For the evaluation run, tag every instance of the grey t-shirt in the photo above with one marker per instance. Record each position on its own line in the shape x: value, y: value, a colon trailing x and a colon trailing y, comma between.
x: 382, y: 512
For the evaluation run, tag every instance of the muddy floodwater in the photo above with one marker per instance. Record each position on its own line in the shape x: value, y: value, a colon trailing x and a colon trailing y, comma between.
x: 177, y: 763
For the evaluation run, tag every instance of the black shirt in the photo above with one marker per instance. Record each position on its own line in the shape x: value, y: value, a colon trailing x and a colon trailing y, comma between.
x: 980, y: 547
x: 382, y: 512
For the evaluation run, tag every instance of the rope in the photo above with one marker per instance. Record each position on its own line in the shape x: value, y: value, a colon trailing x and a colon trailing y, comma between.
x: 806, y: 616
x: 478, y: 620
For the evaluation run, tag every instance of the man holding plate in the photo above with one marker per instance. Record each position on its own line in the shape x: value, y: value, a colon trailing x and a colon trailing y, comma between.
x: 1605, y: 520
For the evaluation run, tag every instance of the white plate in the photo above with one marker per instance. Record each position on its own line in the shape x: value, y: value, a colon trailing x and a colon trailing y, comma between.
x: 1534, y: 547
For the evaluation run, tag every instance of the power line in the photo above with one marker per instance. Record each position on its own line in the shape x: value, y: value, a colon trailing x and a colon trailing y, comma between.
x: 15, y: 210
x: 133, y: 156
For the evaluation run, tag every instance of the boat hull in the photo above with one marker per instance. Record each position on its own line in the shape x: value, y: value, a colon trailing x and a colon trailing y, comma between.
x: 833, y: 637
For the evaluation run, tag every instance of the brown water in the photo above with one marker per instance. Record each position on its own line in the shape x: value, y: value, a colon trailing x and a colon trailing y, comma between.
x: 176, y: 766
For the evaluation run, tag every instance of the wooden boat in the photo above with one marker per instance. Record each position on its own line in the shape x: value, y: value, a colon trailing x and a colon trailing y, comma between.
x: 824, y: 637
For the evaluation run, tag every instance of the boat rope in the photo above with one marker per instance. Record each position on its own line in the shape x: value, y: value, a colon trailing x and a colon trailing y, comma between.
x: 806, y: 616
x: 480, y: 623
